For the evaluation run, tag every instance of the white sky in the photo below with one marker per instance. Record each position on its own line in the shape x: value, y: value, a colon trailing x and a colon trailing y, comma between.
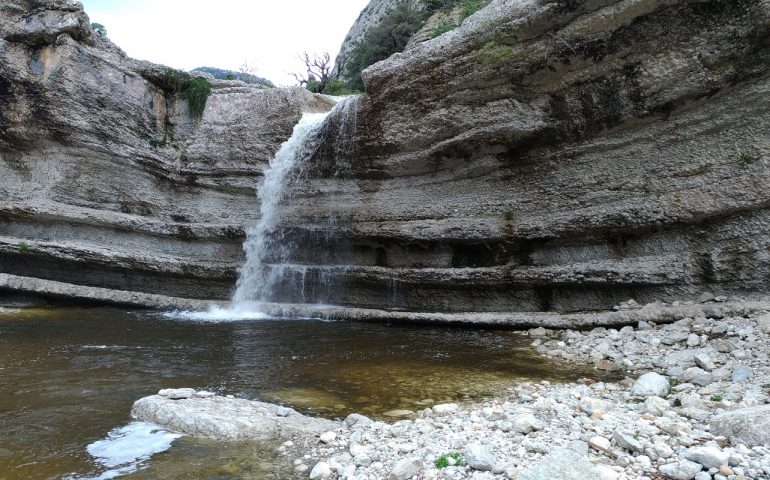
x: 268, y: 34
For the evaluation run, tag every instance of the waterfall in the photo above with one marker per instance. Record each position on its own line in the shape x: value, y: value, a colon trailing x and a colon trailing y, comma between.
x: 257, y: 280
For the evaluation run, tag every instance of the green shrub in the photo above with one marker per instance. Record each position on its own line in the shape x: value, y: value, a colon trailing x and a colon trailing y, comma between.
x: 157, y: 143
x: 175, y: 82
x: 99, y: 29
x: 508, y: 216
x: 747, y: 159
x: 197, y: 94
x: 339, y: 87
x: 493, y: 54
x: 23, y: 247
x: 470, y: 7
x: 443, y: 460
x: 716, y: 398
x: 195, y: 90
x: 386, y: 38
x: 442, y: 28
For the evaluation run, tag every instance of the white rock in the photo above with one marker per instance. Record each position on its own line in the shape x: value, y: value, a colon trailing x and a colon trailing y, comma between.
x: 656, y: 406
x: 479, y: 457
x: 328, y: 437
x: 606, y: 473
x: 445, y: 408
x: 177, y: 393
x: 562, y: 464
x: 764, y: 323
x: 684, y: 470
x: 748, y: 425
x: 709, y: 457
x: 406, y: 468
x: 651, y: 384
x: 705, y: 362
x: 526, y: 423
x: 320, y: 470
x: 355, y: 420
x: 599, y: 443
x: 357, y: 450
x: 703, y: 476
x: 626, y: 441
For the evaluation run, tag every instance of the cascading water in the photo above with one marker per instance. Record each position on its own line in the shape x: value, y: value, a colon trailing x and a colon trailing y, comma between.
x: 257, y: 279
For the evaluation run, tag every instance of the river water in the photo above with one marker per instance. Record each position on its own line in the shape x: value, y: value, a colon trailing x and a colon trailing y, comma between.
x: 68, y: 378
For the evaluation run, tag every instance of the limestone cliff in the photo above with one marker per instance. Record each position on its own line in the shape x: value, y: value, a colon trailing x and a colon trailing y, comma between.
x: 547, y: 155
x: 550, y: 155
x: 86, y: 198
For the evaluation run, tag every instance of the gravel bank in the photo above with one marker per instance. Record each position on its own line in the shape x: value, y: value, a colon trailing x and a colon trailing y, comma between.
x: 695, y: 405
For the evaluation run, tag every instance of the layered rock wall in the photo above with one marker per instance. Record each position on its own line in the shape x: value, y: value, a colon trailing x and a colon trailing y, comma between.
x: 549, y: 155
x: 106, y: 181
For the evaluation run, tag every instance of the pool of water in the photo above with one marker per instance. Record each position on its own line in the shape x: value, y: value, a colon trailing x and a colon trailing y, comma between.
x: 68, y: 378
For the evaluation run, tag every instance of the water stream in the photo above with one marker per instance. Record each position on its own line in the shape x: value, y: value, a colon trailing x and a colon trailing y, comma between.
x: 256, y: 279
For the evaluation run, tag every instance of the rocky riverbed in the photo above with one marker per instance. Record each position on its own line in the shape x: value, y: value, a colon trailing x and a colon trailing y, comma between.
x: 694, y: 405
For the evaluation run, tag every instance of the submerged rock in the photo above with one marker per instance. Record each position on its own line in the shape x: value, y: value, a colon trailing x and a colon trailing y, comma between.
x: 231, y: 419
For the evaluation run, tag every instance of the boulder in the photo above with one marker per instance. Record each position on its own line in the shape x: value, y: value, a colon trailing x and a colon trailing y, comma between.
x: 709, y: 457
x: 406, y: 468
x: 230, y: 419
x: 748, y: 425
x: 562, y: 464
x: 651, y: 385
x: 683, y: 470
x: 479, y: 457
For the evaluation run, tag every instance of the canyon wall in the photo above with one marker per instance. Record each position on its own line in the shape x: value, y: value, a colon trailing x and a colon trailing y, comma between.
x: 105, y: 180
x: 547, y: 155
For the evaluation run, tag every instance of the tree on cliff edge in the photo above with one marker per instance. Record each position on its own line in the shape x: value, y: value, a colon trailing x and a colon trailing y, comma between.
x: 318, y: 72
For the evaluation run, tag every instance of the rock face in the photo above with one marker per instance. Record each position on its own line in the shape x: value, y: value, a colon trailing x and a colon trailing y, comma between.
x: 230, y: 419
x: 545, y: 156
x: 548, y: 156
x: 370, y: 16
x: 86, y: 199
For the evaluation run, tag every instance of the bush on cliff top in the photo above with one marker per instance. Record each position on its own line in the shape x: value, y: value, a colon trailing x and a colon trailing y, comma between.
x: 393, y: 33
x: 195, y: 90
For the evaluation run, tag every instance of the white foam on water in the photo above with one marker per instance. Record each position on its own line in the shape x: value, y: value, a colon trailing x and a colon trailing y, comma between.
x: 125, y: 448
x: 216, y: 314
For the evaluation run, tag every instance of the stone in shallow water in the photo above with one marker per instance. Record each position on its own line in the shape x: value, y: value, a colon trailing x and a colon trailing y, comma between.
x: 231, y: 419
x: 398, y: 413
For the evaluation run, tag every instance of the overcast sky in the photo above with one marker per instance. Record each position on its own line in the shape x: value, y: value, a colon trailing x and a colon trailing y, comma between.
x: 186, y: 34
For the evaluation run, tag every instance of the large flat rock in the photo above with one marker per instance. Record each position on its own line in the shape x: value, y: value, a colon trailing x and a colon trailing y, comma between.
x: 229, y: 419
